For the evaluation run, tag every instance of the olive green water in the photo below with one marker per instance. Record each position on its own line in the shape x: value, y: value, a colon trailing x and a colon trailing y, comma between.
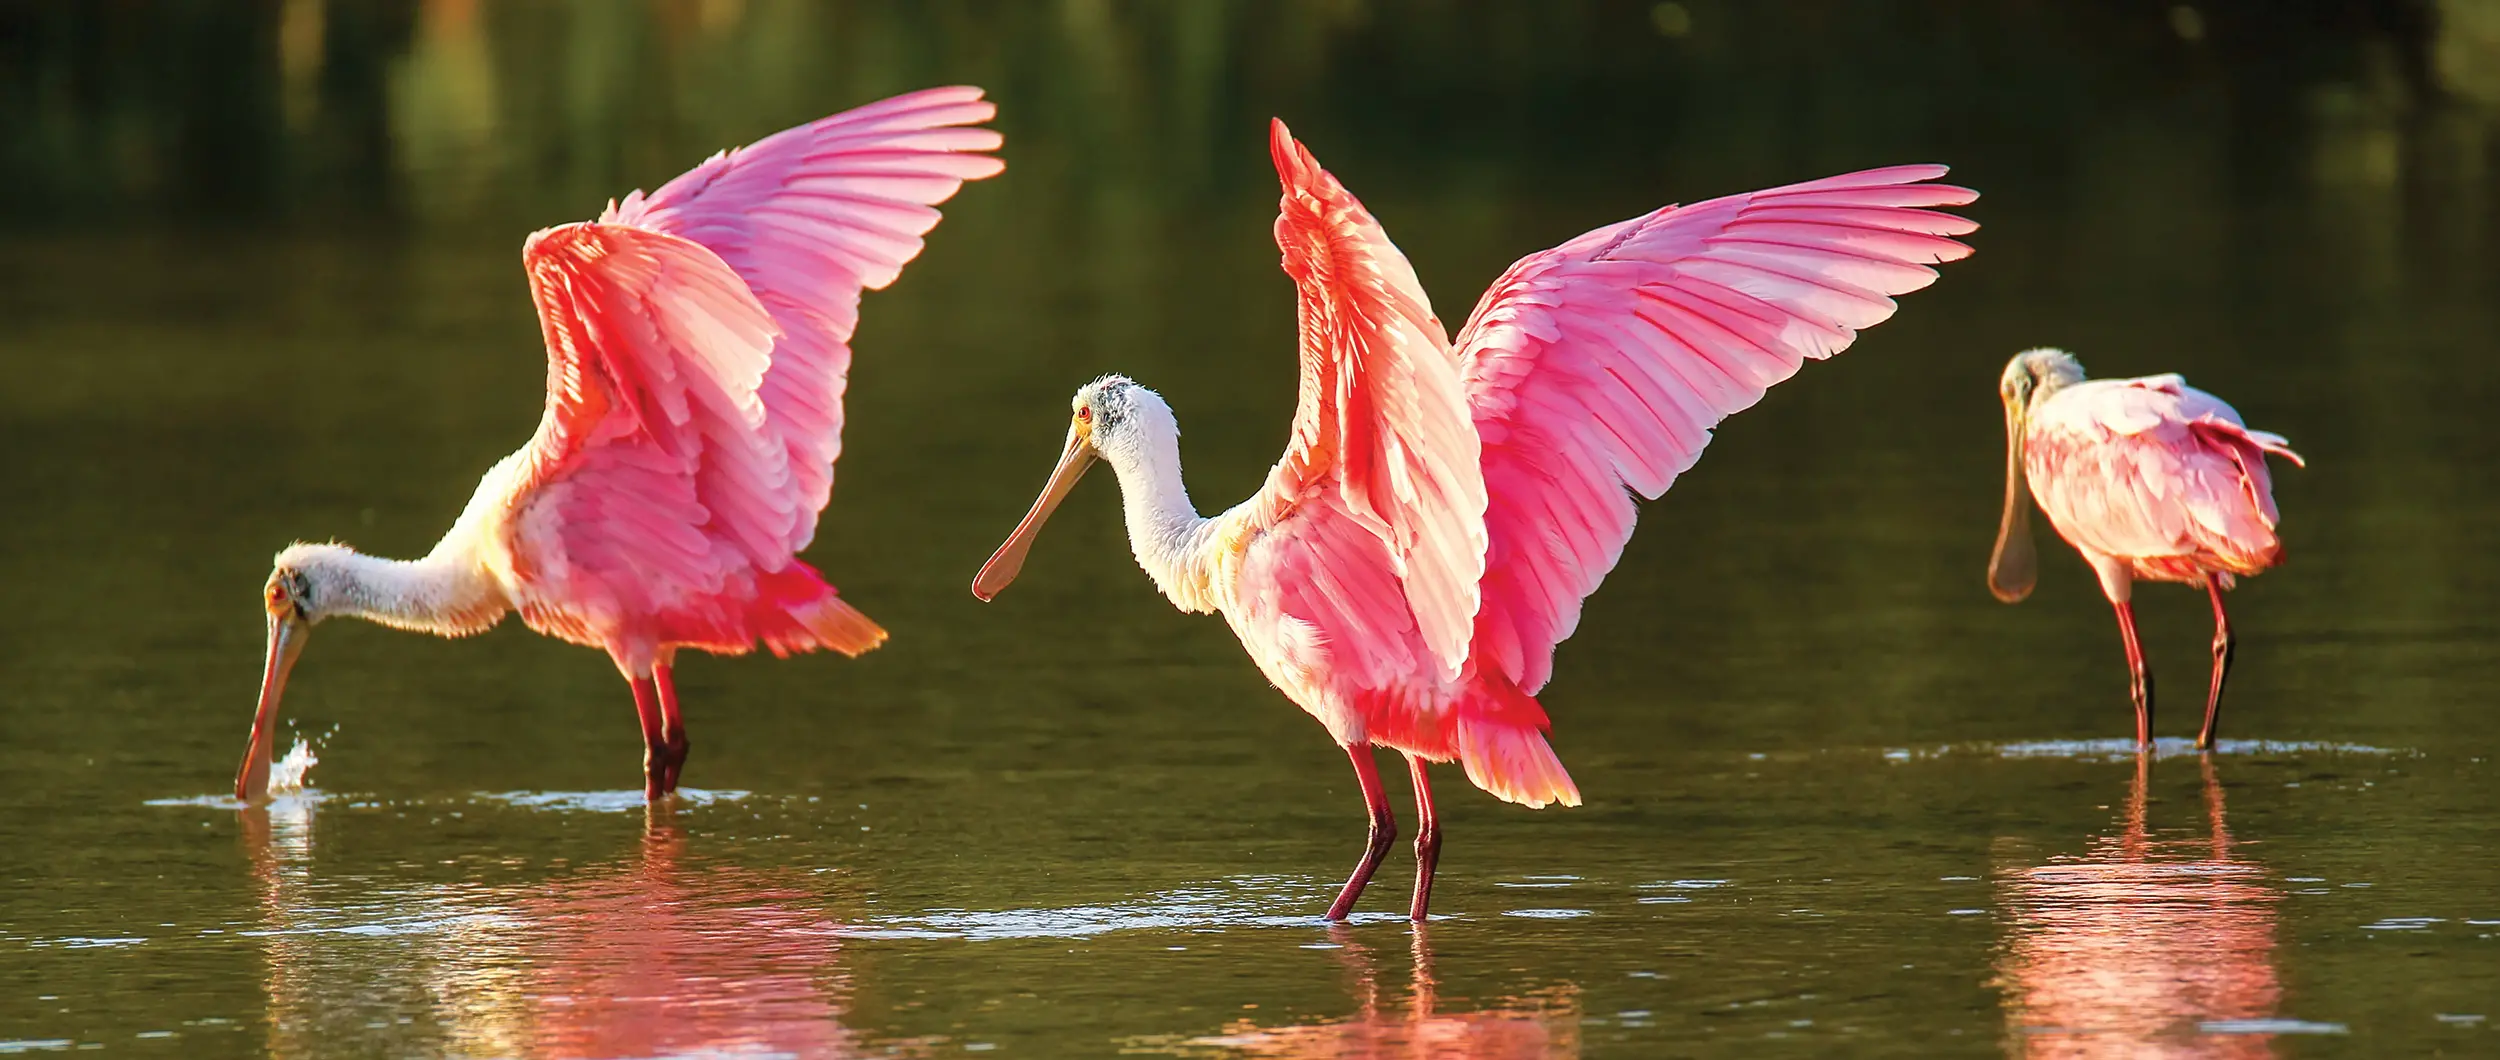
x: 258, y: 282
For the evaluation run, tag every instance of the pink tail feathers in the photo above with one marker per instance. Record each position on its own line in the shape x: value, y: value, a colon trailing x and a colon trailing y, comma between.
x: 2268, y: 441
x: 1514, y: 763
x: 2237, y: 520
x: 1501, y: 741
x: 797, y: 612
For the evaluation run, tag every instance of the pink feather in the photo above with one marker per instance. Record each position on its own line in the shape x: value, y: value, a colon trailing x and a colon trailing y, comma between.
x: 1441, y: 512
x: 1691, y: 312
x: 2156, y: 476
x: 1382, y: 424
x: 698, y: 340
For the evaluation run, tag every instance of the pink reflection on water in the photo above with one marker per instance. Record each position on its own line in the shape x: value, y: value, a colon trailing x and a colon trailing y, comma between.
x: 2127, y: 949
x: 653, y: 955
x: 654, y: 959
x: 1537, y: 1025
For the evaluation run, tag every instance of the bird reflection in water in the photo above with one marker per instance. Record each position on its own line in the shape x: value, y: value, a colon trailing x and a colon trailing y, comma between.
x: 1541, y: 1024
x: 277, y: 838
x: 2139, y: 946
x: 656, y: 955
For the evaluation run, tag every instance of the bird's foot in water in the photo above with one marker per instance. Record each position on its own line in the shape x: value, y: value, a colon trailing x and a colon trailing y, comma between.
x: 660, y: 765
x: 674, y: 761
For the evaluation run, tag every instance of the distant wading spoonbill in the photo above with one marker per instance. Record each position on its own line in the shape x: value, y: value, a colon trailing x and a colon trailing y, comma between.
x: 2148, y: 478
x: 1443, y: 508
x: 697, y: 344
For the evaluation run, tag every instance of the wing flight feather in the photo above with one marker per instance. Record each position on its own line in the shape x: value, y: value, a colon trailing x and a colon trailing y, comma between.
x: 698, y: 342
x: 1597, y: 369
x: 1381, y: 427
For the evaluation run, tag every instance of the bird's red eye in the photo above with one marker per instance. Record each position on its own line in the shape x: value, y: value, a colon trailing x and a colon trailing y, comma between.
x: 1084, y: 414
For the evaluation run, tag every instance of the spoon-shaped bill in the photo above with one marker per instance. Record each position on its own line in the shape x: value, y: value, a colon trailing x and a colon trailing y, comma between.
x: 1008, y: 561
x: 287, y: 634
x: 2015, y: 566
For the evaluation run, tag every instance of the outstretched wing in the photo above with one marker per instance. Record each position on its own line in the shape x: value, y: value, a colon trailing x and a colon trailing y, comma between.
x: 1380, y: 438
x: 652, y: 446
x: 808, y: 217
x: 1602, y: 364
x: 697, y: 343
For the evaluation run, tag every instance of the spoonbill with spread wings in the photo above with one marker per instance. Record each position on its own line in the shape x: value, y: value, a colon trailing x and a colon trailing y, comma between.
x: 698, y: 340
x: 1442, y: 508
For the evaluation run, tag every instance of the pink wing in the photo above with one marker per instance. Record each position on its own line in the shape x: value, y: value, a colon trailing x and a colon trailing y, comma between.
x: 655, y: 350
x: 1603, y: 364
x: 697, y: 346
x: 1381, y: 438
x: 2158, y: 472
x: 808, y: 217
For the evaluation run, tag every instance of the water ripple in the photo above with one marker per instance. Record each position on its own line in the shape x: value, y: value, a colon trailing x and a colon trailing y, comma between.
x: 1242, y: 902
x: 625, y: 800
x: 2271, y: 1026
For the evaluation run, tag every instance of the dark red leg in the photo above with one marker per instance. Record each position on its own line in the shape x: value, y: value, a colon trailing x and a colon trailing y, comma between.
x: 1384, y: 830
x: 672, y: 727
x: 2223, y: 643
x: 2140, y: 677
x: 654, y: 741
x: 1427, y: 839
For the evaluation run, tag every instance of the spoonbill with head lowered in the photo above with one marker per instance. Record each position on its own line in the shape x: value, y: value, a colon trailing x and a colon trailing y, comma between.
x: 1442, y: 509
x: 697, y: 344
x: 2148, y: 478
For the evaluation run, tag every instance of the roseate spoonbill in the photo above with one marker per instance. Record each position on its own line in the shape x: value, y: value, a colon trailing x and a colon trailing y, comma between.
x: 2148, y: 478
x: 697, y: 344
x: 1442, y: 508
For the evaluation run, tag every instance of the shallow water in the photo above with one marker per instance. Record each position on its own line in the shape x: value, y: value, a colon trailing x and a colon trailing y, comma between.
x: 1839, y: 800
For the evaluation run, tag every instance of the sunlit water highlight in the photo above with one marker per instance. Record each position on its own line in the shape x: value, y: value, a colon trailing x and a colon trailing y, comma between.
x: 620, y: 801
x: 2162, y: 934
x: 2124, y: 750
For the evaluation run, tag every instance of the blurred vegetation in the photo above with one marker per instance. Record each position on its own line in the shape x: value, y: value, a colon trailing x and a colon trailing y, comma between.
x: 421, y: 111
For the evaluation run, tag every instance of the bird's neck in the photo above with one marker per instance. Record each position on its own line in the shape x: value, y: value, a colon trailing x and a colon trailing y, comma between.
x: 1164, y: 528
x: 446, y: 593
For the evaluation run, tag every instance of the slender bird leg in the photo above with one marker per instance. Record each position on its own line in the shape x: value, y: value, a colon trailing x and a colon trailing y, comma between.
x: 1427, y: 839
x: 672, y: 726
x: 654, y: 741
x: 2140, y: 676
x: 2223, y: 643
x: 1384, y: 830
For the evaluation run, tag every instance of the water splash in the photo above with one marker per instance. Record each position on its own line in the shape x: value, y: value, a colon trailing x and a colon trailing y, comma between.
x: 293, y: 773
x: 290, y: 781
